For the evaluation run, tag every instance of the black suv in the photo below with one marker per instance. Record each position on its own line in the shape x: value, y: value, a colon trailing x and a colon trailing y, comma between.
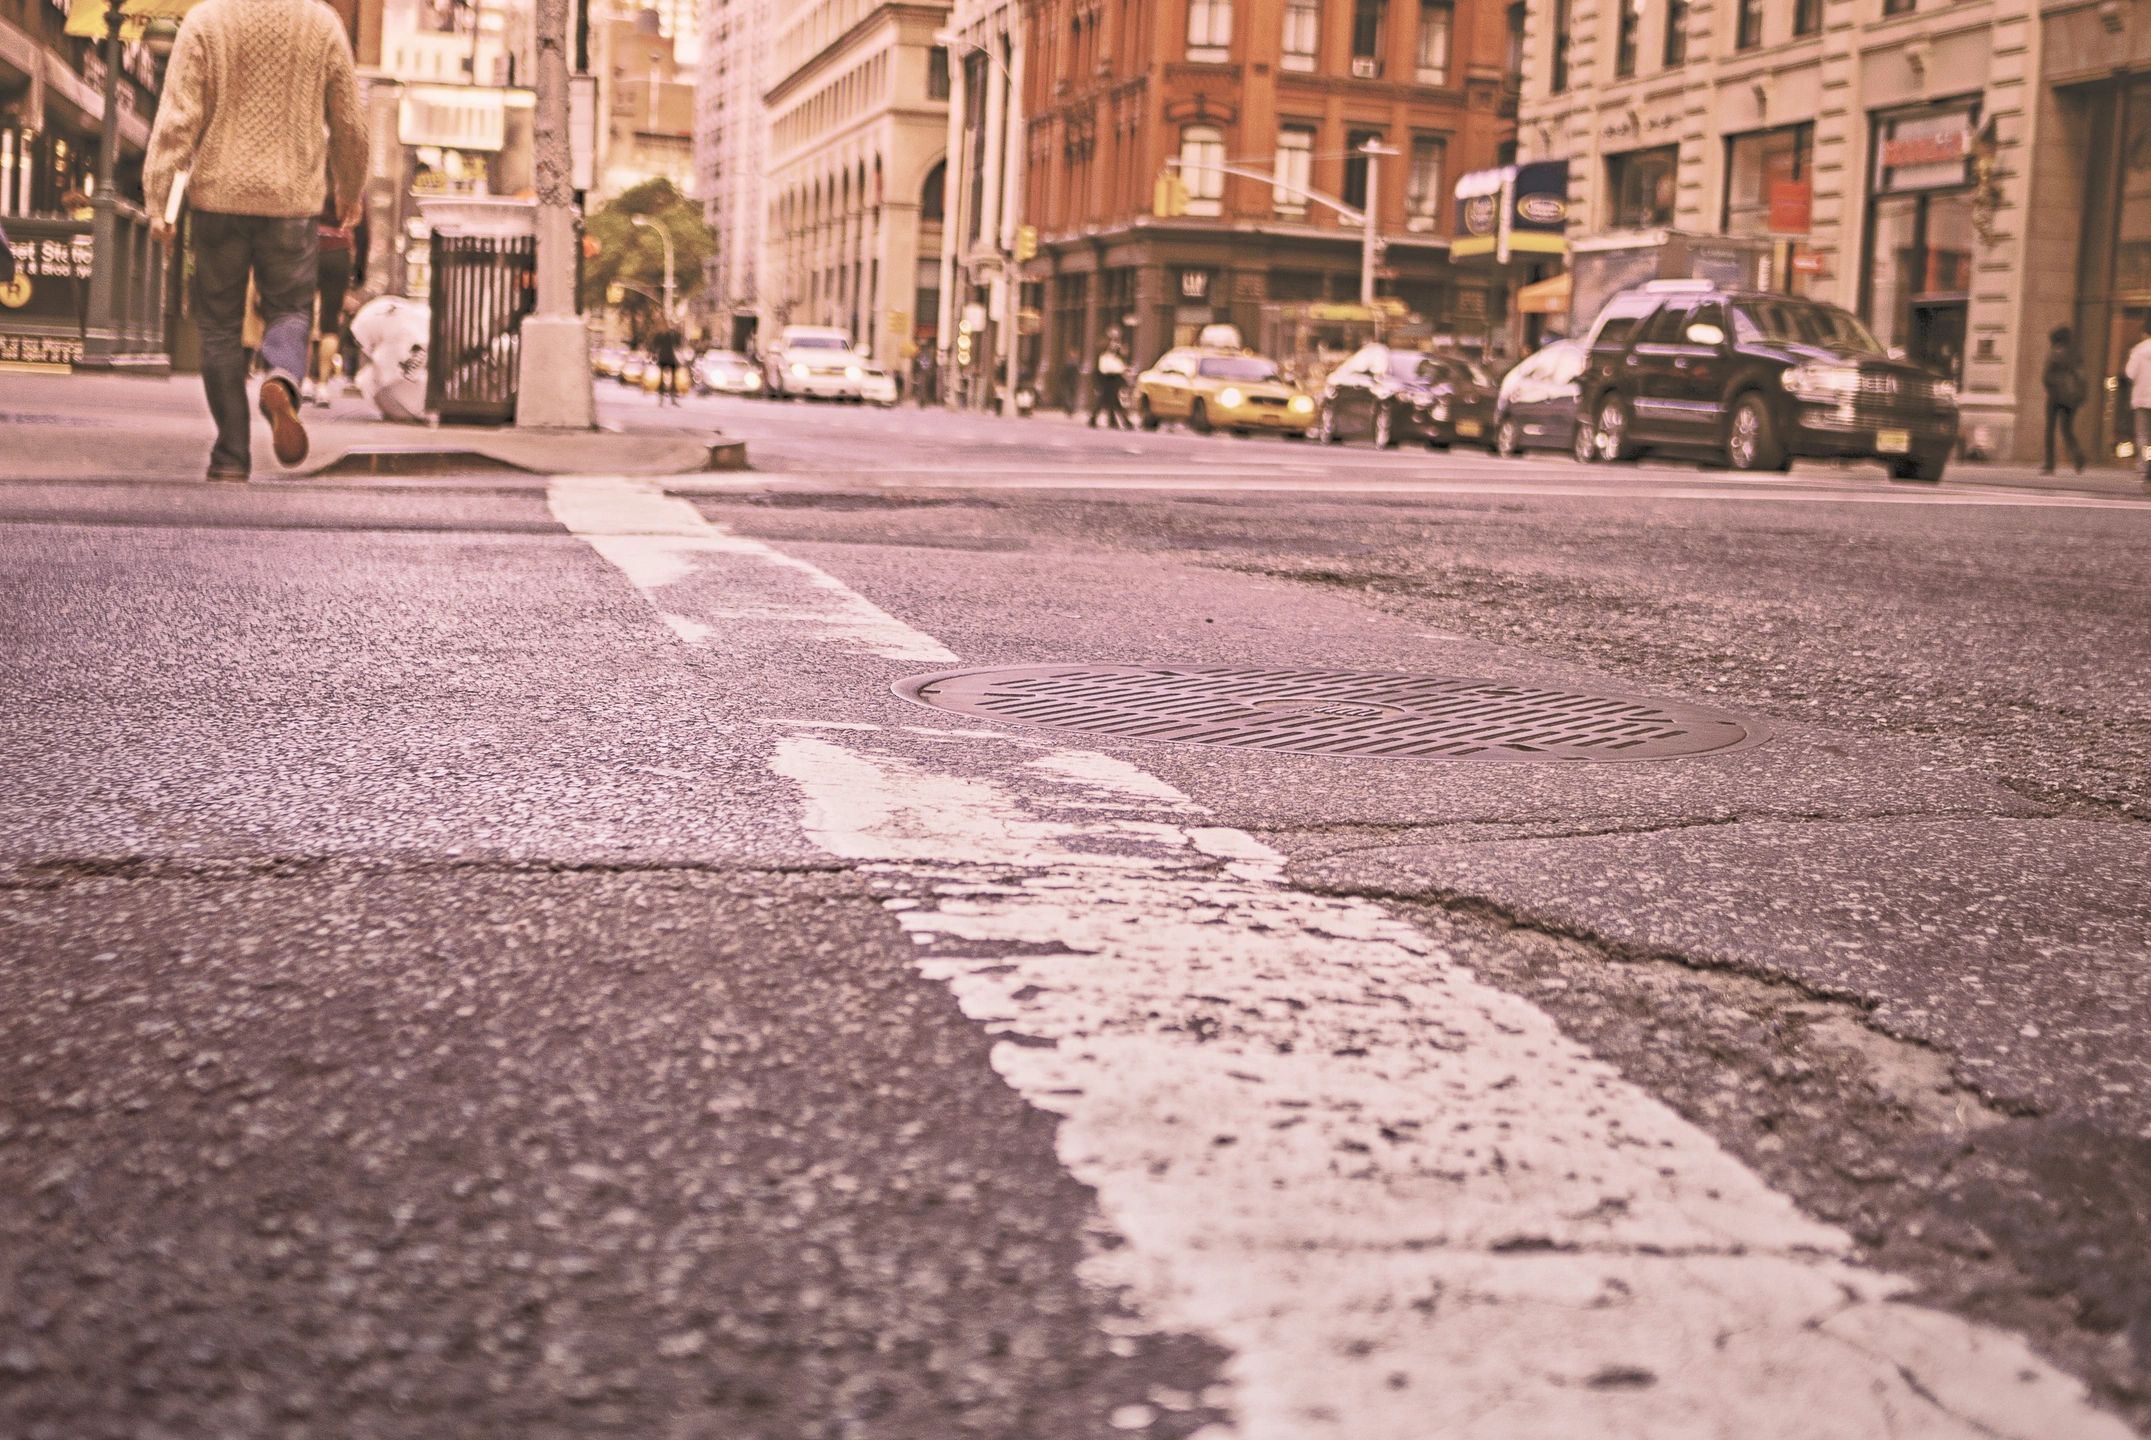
x: 1758, y: 379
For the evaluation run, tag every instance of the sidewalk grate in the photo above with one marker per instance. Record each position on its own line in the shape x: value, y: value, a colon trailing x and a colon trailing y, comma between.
x: 1336, y: 712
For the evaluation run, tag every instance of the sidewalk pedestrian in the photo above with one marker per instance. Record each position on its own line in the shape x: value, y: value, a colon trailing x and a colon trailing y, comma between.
x: 2065, y: 388
x: 338, y: 269
x: 665, y: 350
x: 1109, y: 372
x: 255, y: 154
x: 2137, y: 374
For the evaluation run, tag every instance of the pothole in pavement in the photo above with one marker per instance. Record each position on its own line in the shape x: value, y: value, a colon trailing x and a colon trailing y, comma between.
x: 1363, y: 714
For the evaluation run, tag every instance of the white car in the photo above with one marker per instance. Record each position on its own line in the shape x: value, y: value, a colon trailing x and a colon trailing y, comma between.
x: 877, y: 386
x: 727, y: 372
x: 813, y: 361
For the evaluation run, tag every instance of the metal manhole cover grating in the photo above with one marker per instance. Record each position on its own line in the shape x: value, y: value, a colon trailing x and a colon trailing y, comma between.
x: 1336, y: 712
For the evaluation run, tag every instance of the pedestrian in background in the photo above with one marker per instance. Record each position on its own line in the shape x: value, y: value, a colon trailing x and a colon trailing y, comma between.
x: 1108, y: 373
x: 255, y: 154
x: 337, y: 269
x: 2065, y: 388
x: 2137, y: 373
x: 665, y: 350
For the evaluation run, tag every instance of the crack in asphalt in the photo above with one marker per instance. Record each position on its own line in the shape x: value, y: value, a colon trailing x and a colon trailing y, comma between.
x: 1445, y: 831
x: 53, y: 874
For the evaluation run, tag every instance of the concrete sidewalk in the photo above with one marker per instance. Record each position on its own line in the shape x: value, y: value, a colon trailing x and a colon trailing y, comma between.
x: 125, y: 427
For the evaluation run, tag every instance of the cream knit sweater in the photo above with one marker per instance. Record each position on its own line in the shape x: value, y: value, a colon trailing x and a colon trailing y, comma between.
x: 260, y: 104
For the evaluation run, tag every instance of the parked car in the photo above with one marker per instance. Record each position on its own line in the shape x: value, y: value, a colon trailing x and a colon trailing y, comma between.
x: 877, y: 386
x: 813, y: 361
x: 605, y: 361
x: 1756, y: 379
x: 1535, y: 409
x: 1221, y: 389
x: 727, y: 372
x: 1391, y: 395
x: 633, y: 368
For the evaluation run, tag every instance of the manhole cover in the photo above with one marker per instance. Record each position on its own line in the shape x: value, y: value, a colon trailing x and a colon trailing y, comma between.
x: 1335, y: 712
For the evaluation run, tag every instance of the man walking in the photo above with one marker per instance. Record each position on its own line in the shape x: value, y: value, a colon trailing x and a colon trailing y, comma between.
x: 260, y: 103
x: 665, y: 349
x: 2137, y: 372
x: 1108, y: 373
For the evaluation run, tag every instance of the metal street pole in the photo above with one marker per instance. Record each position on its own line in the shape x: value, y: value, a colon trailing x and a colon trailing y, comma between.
x: 556, y: 391
x: 644, y: 222
x: 1370, y: 240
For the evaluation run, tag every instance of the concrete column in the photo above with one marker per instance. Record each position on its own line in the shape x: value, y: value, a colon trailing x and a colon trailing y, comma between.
x: 556, y: 387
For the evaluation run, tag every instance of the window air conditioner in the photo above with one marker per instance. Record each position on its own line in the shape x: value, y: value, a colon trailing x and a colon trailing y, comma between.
x: 1363, y: 67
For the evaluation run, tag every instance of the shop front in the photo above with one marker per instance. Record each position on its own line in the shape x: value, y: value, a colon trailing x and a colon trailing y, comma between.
x: 1770, y: 195
x: 1922, y: 232
x: 2113, y: 291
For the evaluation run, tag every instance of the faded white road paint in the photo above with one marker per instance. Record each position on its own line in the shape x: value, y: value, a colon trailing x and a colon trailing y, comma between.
x: 1407, y: 1204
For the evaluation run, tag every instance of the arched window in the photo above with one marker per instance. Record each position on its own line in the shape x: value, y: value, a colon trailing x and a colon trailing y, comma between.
x: 932, y: 205
x: 1202, y: 151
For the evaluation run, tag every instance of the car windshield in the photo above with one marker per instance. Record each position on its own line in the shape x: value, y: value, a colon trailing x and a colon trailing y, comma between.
x: 1802, y: 322
x: 818, y: 342
x: 1448, y: 370
x: 1237, y: 367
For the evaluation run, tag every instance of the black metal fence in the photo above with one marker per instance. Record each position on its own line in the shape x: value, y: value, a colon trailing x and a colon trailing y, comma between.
x: 483, y: 286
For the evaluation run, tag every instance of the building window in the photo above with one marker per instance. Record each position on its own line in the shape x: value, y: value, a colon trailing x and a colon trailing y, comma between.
x: 937, y: 73
x: 1807, y: 17
x: 1295, y: 168
x: 1209, y: 29
x: 1897, y: 7
x: 1423, y: 188
x: 1921, y: 235
x: 1437, y: 20
x: 1558, y: 80
x: 1627, y: 38
x: 1676, y: 33
x: 1749, y: 33
x: 1641, y: 184
x: 1369, y: 21
x: 1512, y: 63
x: 1770, y: 182
x: 1303, y: 33
x: 1202, y: 151
x: 1355, y: 165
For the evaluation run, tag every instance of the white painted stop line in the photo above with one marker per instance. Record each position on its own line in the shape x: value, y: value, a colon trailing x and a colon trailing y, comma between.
x: 1402, y: 1199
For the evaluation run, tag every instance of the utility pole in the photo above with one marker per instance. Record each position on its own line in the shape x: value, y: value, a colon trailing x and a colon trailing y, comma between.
x: 1371, y: 242
x: 556, y: 391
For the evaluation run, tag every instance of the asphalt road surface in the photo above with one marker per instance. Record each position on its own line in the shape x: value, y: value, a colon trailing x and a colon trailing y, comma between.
x: 500, y: 957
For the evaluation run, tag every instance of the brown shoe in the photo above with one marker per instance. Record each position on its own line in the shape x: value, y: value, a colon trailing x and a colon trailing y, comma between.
x: 218, y: 475
x: 285, y: 428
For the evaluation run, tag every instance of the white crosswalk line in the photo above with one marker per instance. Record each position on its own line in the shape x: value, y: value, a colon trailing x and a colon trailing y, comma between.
x: 1403, y: 1199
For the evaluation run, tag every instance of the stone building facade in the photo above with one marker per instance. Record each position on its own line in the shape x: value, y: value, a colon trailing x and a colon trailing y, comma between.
x: 731, y: 131
x: 985, y: 178
x: 854, y: 186
x: 1877, y: 153
x: 1292, y: 88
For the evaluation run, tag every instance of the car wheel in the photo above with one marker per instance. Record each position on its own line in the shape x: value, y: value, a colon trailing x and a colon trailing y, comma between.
x: 1508, y: 439
x: 1325, y: 430
x: 1927, y: 469
x: 1199, y: 419
x: 1145, y: 416
x: 1385, y: 428
x: 1751, y: 437
x: 1612, y: 428
x: 1584, y: 444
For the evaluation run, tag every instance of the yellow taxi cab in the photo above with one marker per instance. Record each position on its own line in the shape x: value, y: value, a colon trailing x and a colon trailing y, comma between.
x: 1221, y: 388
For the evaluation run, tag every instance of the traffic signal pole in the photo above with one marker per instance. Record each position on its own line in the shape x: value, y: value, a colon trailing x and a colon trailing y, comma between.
x: 1170, y: 199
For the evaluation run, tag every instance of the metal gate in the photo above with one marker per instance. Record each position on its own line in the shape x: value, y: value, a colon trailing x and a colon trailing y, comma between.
x: 482, y: 288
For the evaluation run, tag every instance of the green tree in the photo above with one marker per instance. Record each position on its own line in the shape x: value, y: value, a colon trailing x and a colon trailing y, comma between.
x: 631, y: 256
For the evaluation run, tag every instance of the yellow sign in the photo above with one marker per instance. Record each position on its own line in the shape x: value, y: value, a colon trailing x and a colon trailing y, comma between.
x: 615, y: 294
x: 89, y: 18
x: 899, y: 323
x: 16, y: 293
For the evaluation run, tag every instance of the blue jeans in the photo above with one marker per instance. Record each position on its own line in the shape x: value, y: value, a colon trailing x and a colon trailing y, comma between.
x: 282, y: 256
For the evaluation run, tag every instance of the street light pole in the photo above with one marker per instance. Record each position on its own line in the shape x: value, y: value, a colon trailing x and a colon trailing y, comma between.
x: 644, y: 222
x: 1370, y: 241
x: 556, y: 390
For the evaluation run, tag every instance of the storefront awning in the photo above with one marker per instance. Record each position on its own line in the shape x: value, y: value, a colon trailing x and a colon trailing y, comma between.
x: 1546, y: 297
x: 88, y: 18
x: 1512, y: 208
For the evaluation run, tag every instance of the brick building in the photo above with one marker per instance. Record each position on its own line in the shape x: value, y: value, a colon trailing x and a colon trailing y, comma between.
x: 1113, y: 88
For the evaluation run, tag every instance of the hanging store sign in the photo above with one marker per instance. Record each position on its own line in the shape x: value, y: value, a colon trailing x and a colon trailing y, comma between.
x: 1512, y: 208
x: 453, y: 117
x: 1195, y: 285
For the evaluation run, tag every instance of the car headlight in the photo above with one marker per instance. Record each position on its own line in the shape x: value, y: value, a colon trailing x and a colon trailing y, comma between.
x: 799, y: 371
x: 853, y: 372
x: 1945, y: 392
x: 754, y: 382
x: 1302, y: 405
x: 1821, y: 382
x: 1440, y: 410
x: 1231, y: 398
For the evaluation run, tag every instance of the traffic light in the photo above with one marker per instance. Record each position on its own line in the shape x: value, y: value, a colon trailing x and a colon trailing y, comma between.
x: 1026, y: 243
x: 1170, y: 198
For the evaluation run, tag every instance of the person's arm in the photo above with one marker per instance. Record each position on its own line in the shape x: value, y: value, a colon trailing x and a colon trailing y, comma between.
x: 182, y: 111
x: 347, y: 131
